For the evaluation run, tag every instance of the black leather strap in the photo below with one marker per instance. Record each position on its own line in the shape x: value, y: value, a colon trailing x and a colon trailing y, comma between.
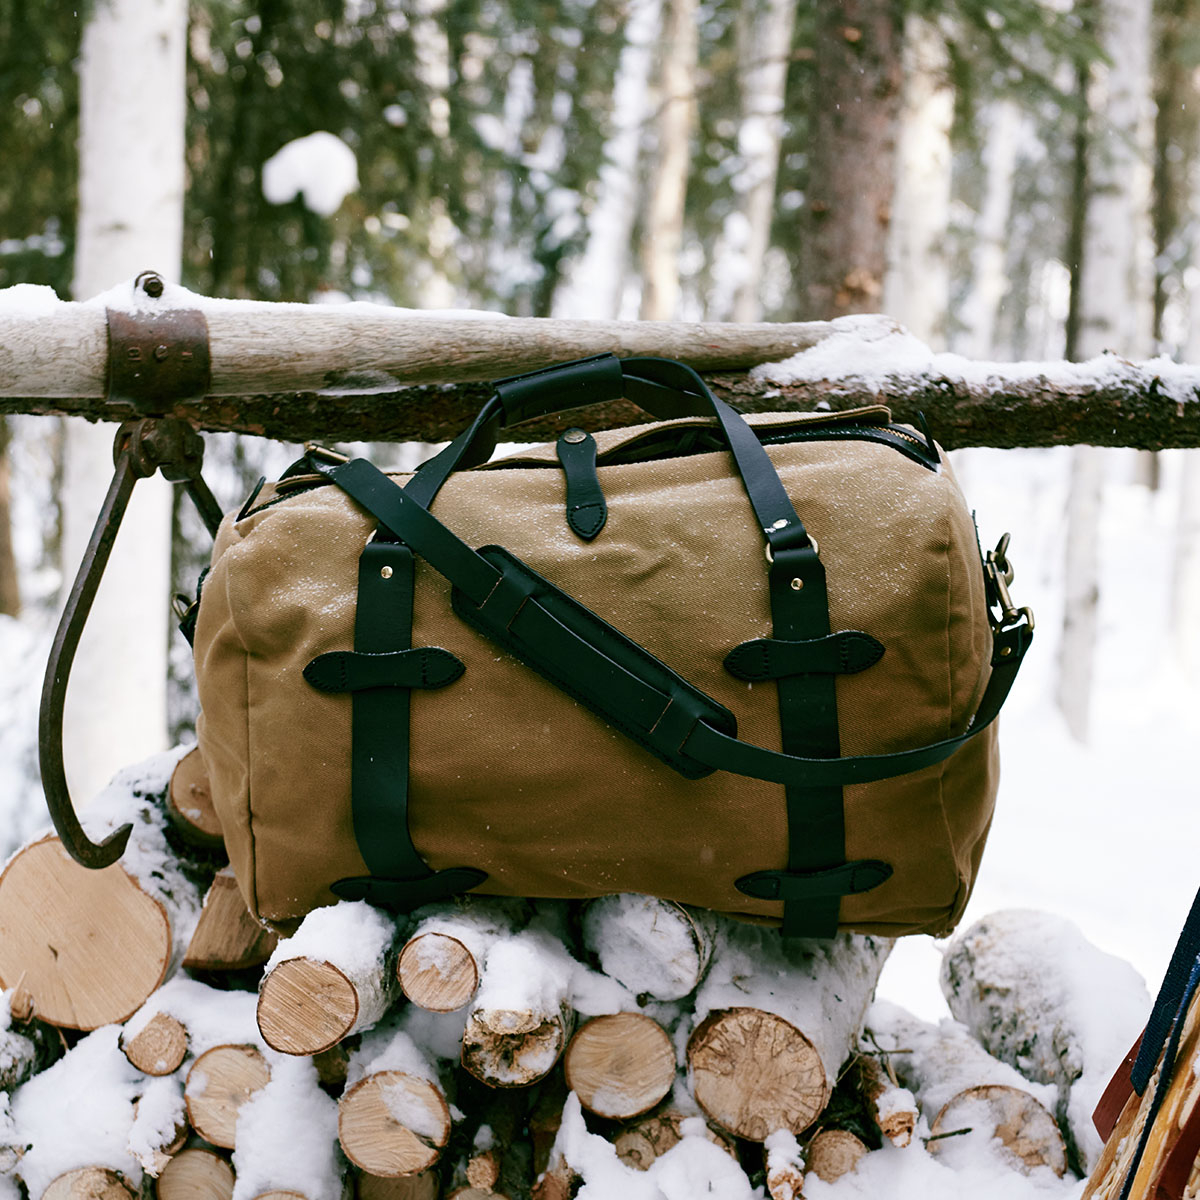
x: 808, y: 727
x: 663, y: 387
x: 587, y: 510
x: 844, y: 653
x: 353, y: 671
x: 700, y: 741
x: 399, y: 877
x: 803, y: 887
x: 382, y: 625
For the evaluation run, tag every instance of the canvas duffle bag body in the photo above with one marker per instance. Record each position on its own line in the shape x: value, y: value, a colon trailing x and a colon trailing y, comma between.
x: 749, y: 664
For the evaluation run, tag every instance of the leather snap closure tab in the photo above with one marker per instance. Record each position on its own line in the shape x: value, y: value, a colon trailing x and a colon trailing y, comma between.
x: 574, y: 436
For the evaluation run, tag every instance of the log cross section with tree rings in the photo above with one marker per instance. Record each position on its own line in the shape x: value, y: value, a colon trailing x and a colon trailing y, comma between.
x: 89, y: 1183
x: 87, y: 946
x: 754, y: 1072
x: 621, y: 1065
x: 1023, y: 1126
x: 437, y: 972
x: 641, y: 1143
x: 305, y: 1007
x: 159, y: 1047
x: 195, y: 1173
x: 219, y: 1082
x: 392, y: 1123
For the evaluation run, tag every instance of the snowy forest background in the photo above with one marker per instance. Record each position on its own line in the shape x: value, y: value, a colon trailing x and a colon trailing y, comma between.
x: 1012, y: 180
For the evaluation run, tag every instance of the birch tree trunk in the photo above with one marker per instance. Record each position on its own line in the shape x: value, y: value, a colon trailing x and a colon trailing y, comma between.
x: 764, y: 41
x: 1114, y: 307
x: 131, y: 182
x: 10, y: 590
x: 917, y: 287
x: 1185, y: 574
x: 843, y: 244
x: 596, y: 283
x: 667, y: 188
x: 989, y: 279
x: 1185, y: 565
x: 432, y: 48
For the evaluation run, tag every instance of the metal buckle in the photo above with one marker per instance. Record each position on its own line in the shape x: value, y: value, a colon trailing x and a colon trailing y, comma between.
x: 812, y: 545
x: 316, y: 450
x: 998, y: 573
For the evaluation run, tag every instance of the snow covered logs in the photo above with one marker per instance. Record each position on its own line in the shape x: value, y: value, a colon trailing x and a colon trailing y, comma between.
x: 774, y: 1021
x: 963, y: 1090
x: 1025, y: 984
x: 86, y: 948
x: 334, y: 977
x: 523, y: 1006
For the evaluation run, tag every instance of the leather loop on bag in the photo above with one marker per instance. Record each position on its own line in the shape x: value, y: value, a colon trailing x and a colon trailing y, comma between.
x: 844, y: 653
x: 351, y: 671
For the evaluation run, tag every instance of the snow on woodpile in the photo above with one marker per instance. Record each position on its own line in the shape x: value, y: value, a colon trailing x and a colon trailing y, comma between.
x: 771, y: 1075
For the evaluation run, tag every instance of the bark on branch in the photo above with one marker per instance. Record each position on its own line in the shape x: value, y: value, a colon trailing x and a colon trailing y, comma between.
x: 365, y: 373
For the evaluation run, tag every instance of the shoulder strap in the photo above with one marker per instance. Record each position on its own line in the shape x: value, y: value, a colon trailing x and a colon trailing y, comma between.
x: 670, y: 723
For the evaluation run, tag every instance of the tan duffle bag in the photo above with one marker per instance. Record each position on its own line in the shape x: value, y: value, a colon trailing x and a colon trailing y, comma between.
x: 750, y: 664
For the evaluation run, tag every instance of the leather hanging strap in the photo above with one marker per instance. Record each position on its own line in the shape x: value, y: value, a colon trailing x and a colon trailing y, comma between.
x: 399, y: 877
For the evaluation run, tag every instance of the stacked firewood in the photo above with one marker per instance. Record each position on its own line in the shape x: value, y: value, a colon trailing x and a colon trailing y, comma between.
x: 156, y: 1040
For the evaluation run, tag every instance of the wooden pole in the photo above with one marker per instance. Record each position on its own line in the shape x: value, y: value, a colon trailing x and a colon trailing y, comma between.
x: 54, y: 349
x: 354, y: 372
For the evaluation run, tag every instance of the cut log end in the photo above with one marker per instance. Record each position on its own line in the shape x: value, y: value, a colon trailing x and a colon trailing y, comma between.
x: 189, y: 804
x: 1023, y: 1127
x: 220, y: 1081
x: 620, y: 1066
x: 305, y: 1006
x: 437, y: 972
x: 89, y: 1183
x: 195, y: 1173
x: 511, y: 1049
x: 640, y: 1144
x: 393, y: 1124
x: 833, y: 1153
x: 227, y: 937
x: 159, y: 1047
x: 654, y: 947
x: 408, y: 1187
x: 87, y: 947
x: 753, y: 1072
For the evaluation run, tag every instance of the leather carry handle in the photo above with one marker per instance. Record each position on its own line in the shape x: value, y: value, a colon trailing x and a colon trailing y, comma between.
x: 677, y: 730
x: 663, y: 387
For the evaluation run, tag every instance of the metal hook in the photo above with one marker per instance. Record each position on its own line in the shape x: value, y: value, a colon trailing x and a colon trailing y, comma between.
x: 62, y: 653
x: 141, y: 448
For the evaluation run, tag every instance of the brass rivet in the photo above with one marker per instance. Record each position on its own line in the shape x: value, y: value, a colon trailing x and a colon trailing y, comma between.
x: 574, y: 436
x: 797, y: 584
x: 1005, y: 651
x: 386, y: 572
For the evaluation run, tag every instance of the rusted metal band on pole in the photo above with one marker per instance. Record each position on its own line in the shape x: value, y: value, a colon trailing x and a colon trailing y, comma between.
x: 156, y: 358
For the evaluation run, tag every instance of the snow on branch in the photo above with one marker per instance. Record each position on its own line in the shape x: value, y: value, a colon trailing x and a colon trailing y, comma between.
x: 368, y: 372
